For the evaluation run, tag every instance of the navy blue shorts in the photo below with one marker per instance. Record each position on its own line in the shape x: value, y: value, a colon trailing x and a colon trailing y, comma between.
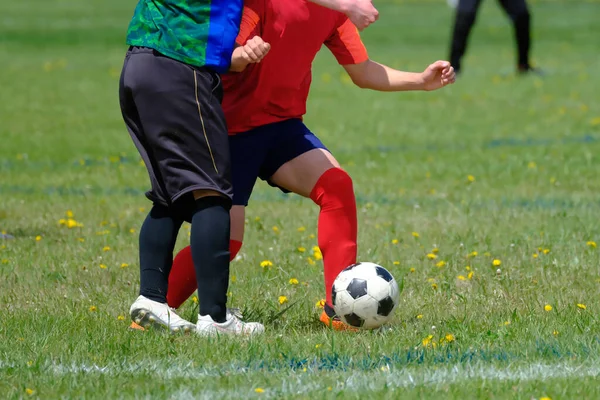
x: 260, y: 152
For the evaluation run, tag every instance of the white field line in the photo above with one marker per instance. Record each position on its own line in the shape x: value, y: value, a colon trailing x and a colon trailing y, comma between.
x: 298, y: 382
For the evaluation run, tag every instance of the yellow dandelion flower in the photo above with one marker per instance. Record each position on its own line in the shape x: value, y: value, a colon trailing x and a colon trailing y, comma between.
x: 449, y: 338
x: 124, y: 265
x: 468, y: 268
x: 441, y: 264
x: 30, y: 392
x: 555, y: 332
x: 106, y: 248
x: 318, y: 345
x: 71, y: 223
x: 427, y: 341
x: 394, y: 241
x: 92, y: 308
x: 293, y: 281
x: 434, y: 286
x: 545, y: 398
x: 506, y: 323
x: 415, y: 234
x: 131, y: 230
x: 195, y: 299
x: 121, y: 318
x: 581, y: 306
x: 435, y: 250
x: 275, y: 229
x: 496, y: 263
x: 320, y: 303
x: 311, y: 236
x: 396, y: 263
x: 266, y: 264
x: 310, y: 261
x: 104, y: 223
x: 461, y: 278
x: 4, y: 261
x: 81, y: 240
x: 470, y: 275
x: 317, y: 253
x: 256, y: 219
x: 301, y: 229
x: 591, y: 244
x: 69, y: 214
x: 420, y: 316
x: 535, y: 255
x: 38, y: 238
x: 531, y: 165
x: 233, y: 279
x: 473, y: 254
x: 431, y: 256
x: 282, y: 299
x: 259, y: 390
x: 103, y: 266
x: 412, y: 270
x: 470, y: 178
x: 29, y: 363
x: 301, y: 249
x: 62, y: 221
x: 142, y: 209
x: 546, y: 251
x: 548, y: 307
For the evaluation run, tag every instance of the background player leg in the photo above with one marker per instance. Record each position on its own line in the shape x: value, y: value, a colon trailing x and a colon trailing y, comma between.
x: 317, y: 175
x: 463, y: 22
x: 519, y: 14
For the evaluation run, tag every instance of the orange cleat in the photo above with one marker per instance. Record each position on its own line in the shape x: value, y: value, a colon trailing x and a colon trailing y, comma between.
x: 334, y: 322
x: 136, y: 327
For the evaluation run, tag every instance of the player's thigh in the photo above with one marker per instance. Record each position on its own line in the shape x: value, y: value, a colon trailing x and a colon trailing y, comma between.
x: 468, y: 6
x: 300, y: 174
x: 238, y: 217
x: 514, y: 8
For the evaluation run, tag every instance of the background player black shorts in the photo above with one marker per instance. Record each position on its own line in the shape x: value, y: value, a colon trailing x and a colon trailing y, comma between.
x: 173, y: 113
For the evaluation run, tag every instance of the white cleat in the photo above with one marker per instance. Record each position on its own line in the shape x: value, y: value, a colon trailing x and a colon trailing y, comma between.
x: 232, y: 326
x: 149, y: 313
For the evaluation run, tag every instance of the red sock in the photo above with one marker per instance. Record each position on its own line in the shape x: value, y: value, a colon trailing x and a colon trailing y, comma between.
x: 182, y: 278
x: 337, y: 231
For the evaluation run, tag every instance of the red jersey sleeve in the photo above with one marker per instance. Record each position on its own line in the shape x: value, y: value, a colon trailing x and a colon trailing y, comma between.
x: 249, y: 26
x: 345, y: 44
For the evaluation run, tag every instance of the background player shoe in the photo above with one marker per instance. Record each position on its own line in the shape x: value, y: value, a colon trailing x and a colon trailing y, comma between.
x: 329, y: 318
x: 146, y: 313
x: 232, y: 326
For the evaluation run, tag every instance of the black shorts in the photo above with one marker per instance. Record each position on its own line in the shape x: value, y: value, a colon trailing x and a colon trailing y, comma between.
x: 173, y: 113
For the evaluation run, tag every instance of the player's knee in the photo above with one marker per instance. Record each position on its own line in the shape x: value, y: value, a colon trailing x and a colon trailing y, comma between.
x: 334, y: 183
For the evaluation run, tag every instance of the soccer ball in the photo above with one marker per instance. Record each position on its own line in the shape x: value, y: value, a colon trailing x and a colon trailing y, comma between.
x: 365, y: 295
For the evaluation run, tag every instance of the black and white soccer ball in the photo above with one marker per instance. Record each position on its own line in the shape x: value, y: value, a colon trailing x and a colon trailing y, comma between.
x: 365, y: 295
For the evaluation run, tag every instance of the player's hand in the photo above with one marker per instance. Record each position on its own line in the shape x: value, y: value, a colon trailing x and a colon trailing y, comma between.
x: 255, y: 50
x: 362, y: 13
x: 438, y: 75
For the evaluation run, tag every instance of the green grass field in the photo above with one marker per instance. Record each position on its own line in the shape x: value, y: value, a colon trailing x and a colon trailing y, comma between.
x: 496, y: 167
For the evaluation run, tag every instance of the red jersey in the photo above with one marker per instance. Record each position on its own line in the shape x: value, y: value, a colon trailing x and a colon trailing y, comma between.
x: 277, y: 88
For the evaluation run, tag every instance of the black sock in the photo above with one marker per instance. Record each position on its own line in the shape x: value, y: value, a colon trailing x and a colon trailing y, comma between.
x: 210, y: 251
x: 157, y: 240
x: 462, y: 27
x: 522, y: 35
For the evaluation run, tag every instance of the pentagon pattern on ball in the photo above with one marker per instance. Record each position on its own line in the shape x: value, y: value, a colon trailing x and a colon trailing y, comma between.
x: 354, y: 320
x: 386, y: 306
x: 357, y: 288
x: 384, y: 274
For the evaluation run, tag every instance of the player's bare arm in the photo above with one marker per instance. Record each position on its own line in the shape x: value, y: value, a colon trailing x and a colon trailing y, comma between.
x: 252, y: 52
x: 375, y: 76
x: 362, y: 13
